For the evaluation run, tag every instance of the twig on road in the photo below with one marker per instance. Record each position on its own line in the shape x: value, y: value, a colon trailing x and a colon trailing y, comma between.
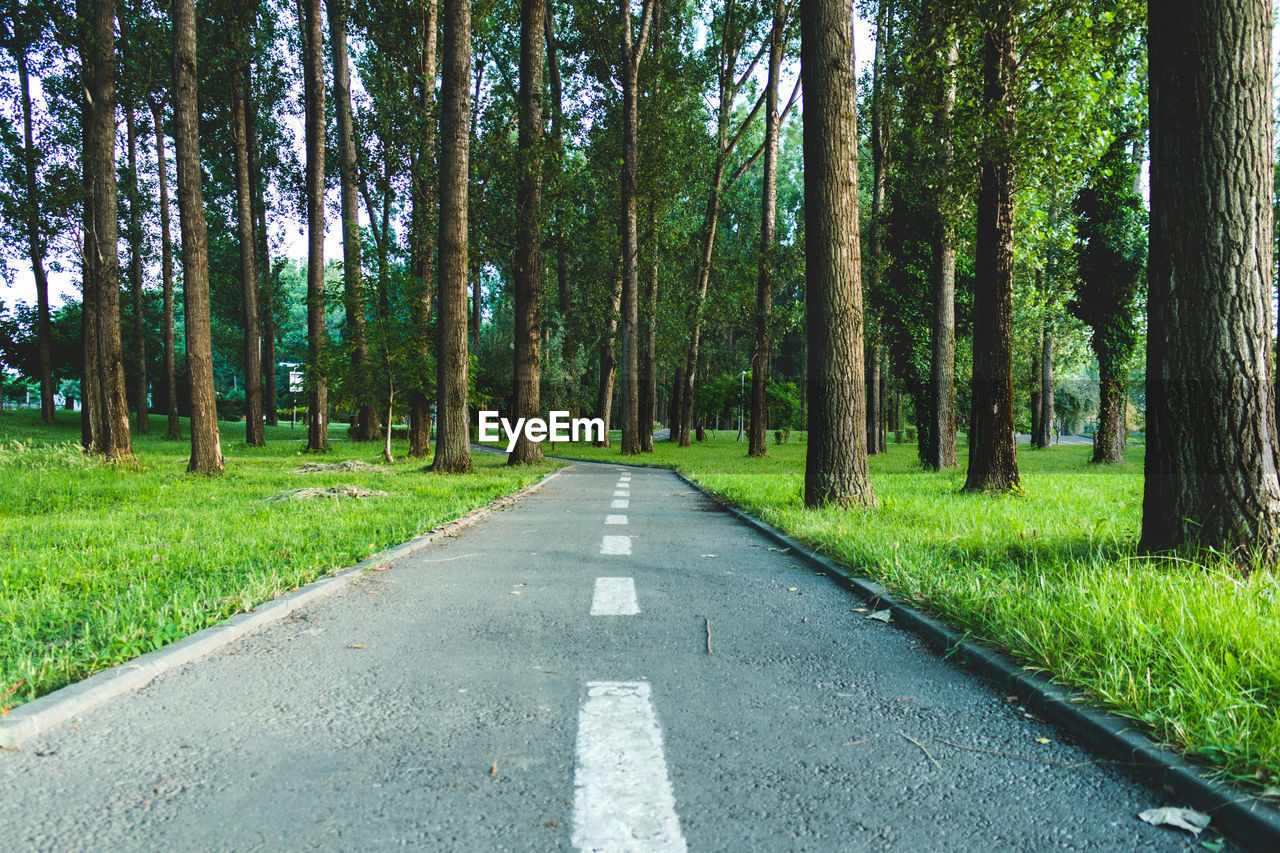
x: 708, y: 618
x: 922, y: 749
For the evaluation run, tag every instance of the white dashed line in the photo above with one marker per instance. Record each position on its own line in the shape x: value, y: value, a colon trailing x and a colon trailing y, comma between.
x: 620, y: 545
x: 622, y: 792
x: 622, y: 494
x: 615, y: 519
x: 618, y: 504
x: 614, y: 597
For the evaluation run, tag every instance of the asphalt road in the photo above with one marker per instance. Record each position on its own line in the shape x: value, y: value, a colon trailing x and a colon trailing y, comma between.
x: 467, y: 698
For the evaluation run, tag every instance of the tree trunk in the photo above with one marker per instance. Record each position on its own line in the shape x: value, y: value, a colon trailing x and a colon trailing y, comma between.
x: 35, y: 242
x: 135, y: 272
x: 568, y: 345
x: 528, y: 272
x: 267, y: 288
x: 881, y: 135
x: 1211, y: 450
x: 206, y: 444
x: 836, y: 469
x: 239, y: 72
x: 367, y: 428
x: 1048, y: 416
x: 675, y: 410
x: 649, y: 340
x: 317, y: 338
x: 993, y: 452
x: 875, y: 443
x: 940, y: 451
x: 453, y: 445
x: 174, y: 429
x: 1113, y: 394
x: 113, y: 442
x: 423, y: 198
x: 1035, y: 387
x: 90, y: 387
x: 608, y: 363
x: 757, y: 443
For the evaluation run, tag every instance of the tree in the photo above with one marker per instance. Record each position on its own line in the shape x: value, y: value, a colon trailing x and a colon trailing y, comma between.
x: 107, y: 412
x: 993, y: 455
x: 174, y: 426
x: 1111, y: 244
x: 1211, y: 476
x: 453, y: 448
x: 317, y: 337
x: 240, y: 16
x: 756, y: 442
x: 836, y: 470
x: 528, y: 262
x: 881, y: 134
x: 206, y: 444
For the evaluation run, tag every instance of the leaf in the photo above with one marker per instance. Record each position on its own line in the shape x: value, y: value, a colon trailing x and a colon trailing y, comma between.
x: 1043, y: 740
x: 1189, y: 819
x: 881, y: 615
x: 792, y: 588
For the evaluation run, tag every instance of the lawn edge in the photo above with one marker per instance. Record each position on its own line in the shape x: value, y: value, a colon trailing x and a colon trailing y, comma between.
x: 40, y: 715
x: 1251, y: 822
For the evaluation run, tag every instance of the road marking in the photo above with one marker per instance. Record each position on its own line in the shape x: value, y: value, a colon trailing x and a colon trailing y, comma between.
x: 615, y: 519
x: 620, y: 545
x: 619, y: 504
x: 622, y: 792
x: 622, y: 494
x: 626, y: 478
x: 614, y: 597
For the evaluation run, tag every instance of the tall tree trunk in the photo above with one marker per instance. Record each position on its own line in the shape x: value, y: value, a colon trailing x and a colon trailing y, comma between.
x: 1048, y: 416
x: 649, y: 339
x: 632, y: 53
x: 875, y: 400
x: 317, y: 338
x: 881, y: 135
x: 206, y: 444
x: 266, y: 281
x: 675, y: 409
x: 757, y: 444
x: 1211, y: 449
x: 1113, y: 393
x: 239, y: 73
x: 423, y: 199
x: 568, y: 343
x: 367, y: 428
x: 114, y: 442
x: 700, y: 293
x: 993, y: 451
x: 836, y: 469
x: 528, y: 272
x: 135, y: 271
x: 608, y: 362
x: 1037, y: 349
x: 90, y: 386
x: 453, y: 446
x: 940, y: 451
x: 174, y: 429
x: 35, y: 242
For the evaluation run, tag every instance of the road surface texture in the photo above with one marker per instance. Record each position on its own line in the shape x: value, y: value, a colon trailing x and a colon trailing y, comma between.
x: 612, y: 664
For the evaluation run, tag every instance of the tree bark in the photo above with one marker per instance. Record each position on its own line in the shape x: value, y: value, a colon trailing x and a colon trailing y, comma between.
x: 453, y: 446
x: 174, y: 429
x: 317, y: 338
x: 114, y: 442
x: 757, y: 443
x: 568, y: 342
x: 649, y: 340
x: 1037, y: 349
x: 1113, y: 395
x: 836, y: 470
x: 239, y: 74
x: 135, y: 272
x: 90, y: 386
x: 266, y: 281
x: 367, y: 427
x: 528, y: 268
x: 608, y: 362
x: 993, y: 453
x: 881, y: 136
x: 940, y: 450
x: 875, y: 401
x: 1211, y: 474
x: 35, y: 242
x: 423, y: 199
x: 1048, y: 417
x: 206, y: 444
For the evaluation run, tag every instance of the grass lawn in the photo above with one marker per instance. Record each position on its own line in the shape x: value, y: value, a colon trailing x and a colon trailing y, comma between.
x: 1191, y: 650
x: 99, y: 564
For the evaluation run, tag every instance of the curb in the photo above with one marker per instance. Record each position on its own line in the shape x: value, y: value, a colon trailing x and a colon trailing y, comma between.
x: 1251, y: 822
x: 39, y: 715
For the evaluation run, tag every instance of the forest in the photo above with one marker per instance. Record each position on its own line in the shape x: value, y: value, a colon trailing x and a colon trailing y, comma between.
x: 659, y: 214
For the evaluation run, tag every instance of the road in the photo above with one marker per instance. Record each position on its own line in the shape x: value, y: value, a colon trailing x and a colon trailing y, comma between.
x: 614, y: 663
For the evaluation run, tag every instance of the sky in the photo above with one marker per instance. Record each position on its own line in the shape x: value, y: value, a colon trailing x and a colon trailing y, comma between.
x: 291, y: 233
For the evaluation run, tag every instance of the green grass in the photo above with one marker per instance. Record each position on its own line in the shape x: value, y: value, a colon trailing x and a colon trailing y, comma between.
x: 1192, y: 650
x: 99, y: 564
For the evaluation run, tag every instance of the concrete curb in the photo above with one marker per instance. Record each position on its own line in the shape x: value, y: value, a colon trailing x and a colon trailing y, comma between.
x: 40, y: 715
x: 1251, y: 822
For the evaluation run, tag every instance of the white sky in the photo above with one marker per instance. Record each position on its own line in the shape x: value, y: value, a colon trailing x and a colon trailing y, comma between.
x: 291, y: 233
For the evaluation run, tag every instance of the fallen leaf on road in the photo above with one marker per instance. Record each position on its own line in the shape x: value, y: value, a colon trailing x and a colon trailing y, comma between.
x: 1043, y: 740
x: 515, y: 592
x: 881, y: 615
x: 493, y: 771
x: 1189, y: 819
x: 708, y: 555
x: 857, y: 610
x: 355, y: 646
x: 792, y: 588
